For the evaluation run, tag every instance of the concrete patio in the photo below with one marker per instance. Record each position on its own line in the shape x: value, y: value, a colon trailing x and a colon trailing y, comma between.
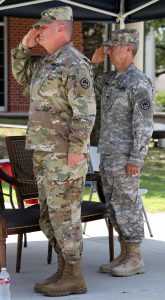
x: 150, y: 285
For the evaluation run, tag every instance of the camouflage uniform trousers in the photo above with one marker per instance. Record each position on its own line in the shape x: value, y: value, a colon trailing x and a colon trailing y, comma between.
x: 60, y: 193
x: 122, y: 198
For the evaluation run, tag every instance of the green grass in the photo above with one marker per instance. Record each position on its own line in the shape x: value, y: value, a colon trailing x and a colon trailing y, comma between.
x: 17, y: 121
x: 5, y: 188
x: 86, y: 195
x: 153, y: 179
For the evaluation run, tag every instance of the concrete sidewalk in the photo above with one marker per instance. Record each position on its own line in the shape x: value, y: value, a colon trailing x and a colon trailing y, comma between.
x: 150, y: 285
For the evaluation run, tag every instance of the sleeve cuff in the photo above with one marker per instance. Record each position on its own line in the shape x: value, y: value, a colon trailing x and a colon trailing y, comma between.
x: 78, y: 148
x: 135, y: 161
x: 24, y: 48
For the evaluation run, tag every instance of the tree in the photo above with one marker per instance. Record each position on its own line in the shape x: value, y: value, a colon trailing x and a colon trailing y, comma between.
x: 160, y: 101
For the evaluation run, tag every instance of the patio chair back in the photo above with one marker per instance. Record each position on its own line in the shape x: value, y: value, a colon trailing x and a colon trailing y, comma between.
x: 21, y: 161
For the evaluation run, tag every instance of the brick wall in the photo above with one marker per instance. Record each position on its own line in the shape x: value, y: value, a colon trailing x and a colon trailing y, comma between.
x: 17, y: 28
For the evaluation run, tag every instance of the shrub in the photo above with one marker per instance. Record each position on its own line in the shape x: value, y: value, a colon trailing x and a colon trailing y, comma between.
x: 160, y: 101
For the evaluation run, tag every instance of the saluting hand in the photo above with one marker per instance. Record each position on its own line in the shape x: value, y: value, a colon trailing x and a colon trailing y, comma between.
x: 31, y: 38
x: 99, y: 55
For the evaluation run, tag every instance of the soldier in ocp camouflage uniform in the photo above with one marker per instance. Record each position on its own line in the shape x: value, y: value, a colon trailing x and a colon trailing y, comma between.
x: 61, y: 117
x: 126, y: 129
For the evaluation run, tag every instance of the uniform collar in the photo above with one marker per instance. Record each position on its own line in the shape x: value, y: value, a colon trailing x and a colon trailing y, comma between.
x: 130, y: 68
x: 54, y: 55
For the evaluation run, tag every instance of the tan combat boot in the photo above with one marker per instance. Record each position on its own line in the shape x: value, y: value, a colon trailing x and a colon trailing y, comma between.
x: 57, y: 275
x: 107, y: 268
x: 71, y: 282
x: 132, y: 264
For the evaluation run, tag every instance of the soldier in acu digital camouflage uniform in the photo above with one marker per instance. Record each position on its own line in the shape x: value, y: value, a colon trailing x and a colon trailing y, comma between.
x: 61, y: 117
x: 126, y: 129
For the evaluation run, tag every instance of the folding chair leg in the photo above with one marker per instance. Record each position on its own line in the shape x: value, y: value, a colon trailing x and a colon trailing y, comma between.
x: 11, y: 195
x: 146, y: 219
x: 19, y: 252
x: 141, y: 192
x: 3, y: 237
x: 84, y: 228
x: 111, y: 239
x: 49, y: 257
x: 25, y: 240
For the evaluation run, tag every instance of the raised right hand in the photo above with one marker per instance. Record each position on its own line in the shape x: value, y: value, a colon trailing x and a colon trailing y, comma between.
x: 31, y: 38
x: 98, y: 55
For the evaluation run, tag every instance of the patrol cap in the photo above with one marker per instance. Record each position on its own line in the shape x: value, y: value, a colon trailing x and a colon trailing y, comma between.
x: 122, y: 37
x: 63, y: 13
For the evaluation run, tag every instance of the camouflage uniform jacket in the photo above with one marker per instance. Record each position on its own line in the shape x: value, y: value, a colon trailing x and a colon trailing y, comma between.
x: 127, y: 114
x: 62, y: 107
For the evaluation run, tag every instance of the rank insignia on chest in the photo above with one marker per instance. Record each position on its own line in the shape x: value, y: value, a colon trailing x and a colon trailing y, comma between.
x: 84, y: 82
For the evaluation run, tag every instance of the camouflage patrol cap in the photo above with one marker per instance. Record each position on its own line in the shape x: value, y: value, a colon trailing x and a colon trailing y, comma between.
x: 122, y: 37
x: 63, y: 13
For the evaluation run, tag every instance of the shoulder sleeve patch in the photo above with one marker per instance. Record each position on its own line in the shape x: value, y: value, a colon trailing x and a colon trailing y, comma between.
x: 145, y: 104
x: 84, y: 82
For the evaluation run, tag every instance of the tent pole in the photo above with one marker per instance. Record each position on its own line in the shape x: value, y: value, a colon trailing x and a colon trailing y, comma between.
x: 122, y: 7
x: 139, y: 8
x: 121, y: 21
x: 122, y: 15
x: 122, y: 10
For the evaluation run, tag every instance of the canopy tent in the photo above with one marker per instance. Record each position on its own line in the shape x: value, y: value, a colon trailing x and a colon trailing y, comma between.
x: 89, y: 10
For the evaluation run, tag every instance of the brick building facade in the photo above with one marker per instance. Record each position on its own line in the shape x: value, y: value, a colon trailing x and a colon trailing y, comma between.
x: 16, y: 29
